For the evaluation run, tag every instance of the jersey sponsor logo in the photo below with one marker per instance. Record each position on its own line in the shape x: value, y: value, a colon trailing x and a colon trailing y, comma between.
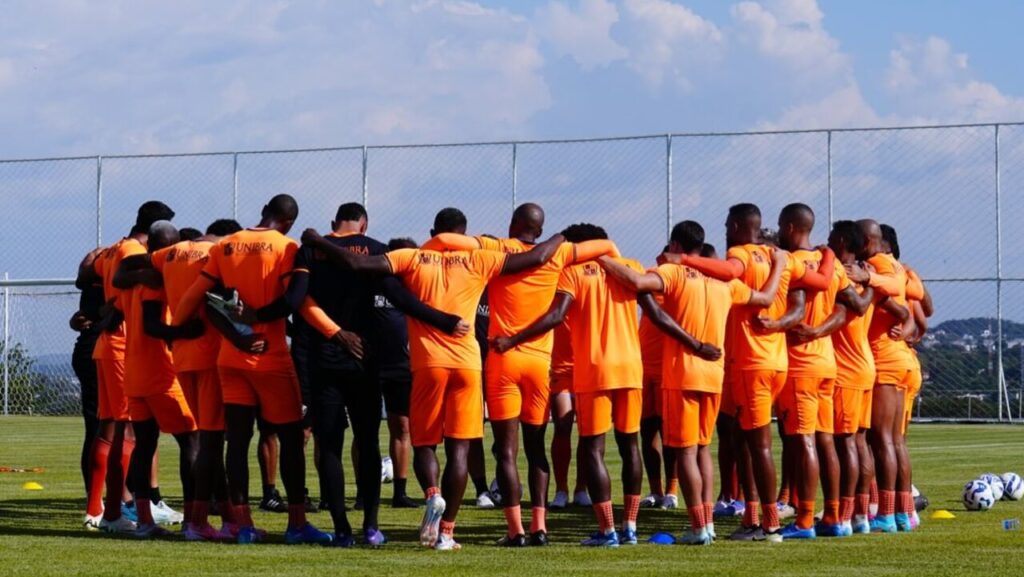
x: 590, y: 269
x: 188, y: 255
x: 247, y: 248
x: 758, y: 257
x: 445, y: 260
x: 381, y: 302
x: 483, y: 310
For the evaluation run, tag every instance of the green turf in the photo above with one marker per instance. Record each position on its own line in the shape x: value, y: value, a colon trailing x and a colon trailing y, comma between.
x: 40, y: 532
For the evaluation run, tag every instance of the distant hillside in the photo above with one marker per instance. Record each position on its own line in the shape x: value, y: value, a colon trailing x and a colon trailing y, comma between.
x: 976, y: 326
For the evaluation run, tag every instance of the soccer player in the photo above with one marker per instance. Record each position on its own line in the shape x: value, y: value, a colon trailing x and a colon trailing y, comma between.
x: 893, y: 369
x: 85, y: 322
x: 258, y: 263
x: 156, y: 401
x: 446, y: 393
x: 342, y: 381
x: 517, y: 378
x: 563, y: 415
x: 110, y: 449
x: 607, y: 379
x: 759, y: 358
x: 693, y: 370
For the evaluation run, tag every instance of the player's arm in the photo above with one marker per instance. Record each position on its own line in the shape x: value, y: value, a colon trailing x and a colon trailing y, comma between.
x: 283, y: 306
x: 904, y: 327
x: 724, y: 270
x: 835, y: 321
x: 631, y: 279
x: 452, y: 241
x: 885, y: 283
x: 154, y: 326
x: 796, y: 310
x: 666, y: 324
x: 591, y: 249
x: 374, y: 264
x: 193, y: 298
x: 403, y: 300
x: 325, y: 325
x: 818, y: 280
x: 549, y: 320
x: 135, y: 270
x: 920, y: 321
x: 87, y: 276
x: 539, y: 255
x: 854, y: 302
x: 766, y: 295
x: 915, y: 288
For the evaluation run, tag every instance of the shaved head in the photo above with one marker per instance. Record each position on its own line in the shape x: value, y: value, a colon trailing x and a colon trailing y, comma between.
x: 743, y: 224
x: 528, y: 221
x: 798, y: 215
x: 162, y: 234
x: 872, y: 237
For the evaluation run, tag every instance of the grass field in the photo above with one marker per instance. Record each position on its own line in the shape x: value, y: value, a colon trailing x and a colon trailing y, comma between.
x: 40, y: 531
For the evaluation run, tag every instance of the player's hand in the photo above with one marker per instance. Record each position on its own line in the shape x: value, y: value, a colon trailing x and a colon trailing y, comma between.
x: 462, y: 329
x: 311, y: 236
x: 79, y: 322
x: 243, y: 314
x: 708, y: 352
x: 501, y: 344
x: 258, y: 344
x: 352, y: 342
x: 857, y: 273
x: 764, y: 324
x: 803, y: 333
x: 780, y: 257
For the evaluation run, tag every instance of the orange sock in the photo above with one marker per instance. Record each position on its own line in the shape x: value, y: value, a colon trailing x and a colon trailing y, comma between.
x: 243, y: 515
x: 886, y: 502
x: 831, y: 516
x: 200, y: 513
x: 605, y: 516
x: 673, y: 486
x: 431, y: 491
x: 514, y: 519
x: 784, y: 495
x: 805, y: 514
x: 874, y: 492
x: 227, y: 512
x: 846, y: 507
x: 448, y: 528
x: 697, y: 519
x: 631, y: 512
x: 904, y: 502
x: 862, y: 504
x: 97, y: 476
x: 538, y: 520
x: 709, y: 513
x: 770, y: 516
x: 126, y: 456
x: 752, y: 514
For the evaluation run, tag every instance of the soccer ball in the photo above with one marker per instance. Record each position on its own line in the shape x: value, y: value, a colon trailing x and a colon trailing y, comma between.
x: 1013, y: 487
x: 977, y: 496
x: 995, y: 482
x: 387, y: 470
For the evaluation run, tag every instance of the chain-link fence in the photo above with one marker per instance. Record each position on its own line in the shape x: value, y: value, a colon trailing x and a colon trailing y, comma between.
x: 954, y: 193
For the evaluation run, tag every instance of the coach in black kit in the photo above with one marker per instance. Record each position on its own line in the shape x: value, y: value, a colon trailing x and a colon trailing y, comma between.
x: 342, y: 366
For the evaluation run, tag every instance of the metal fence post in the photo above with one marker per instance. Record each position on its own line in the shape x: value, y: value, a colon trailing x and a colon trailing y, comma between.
x: 365, y: 189
x: 7, y: 345
x: 668, y: 186
x: 1001, y: 378
x: 515, y: 173
x: 234, y: 187
x: 829, y: 152
x: 99, y: 201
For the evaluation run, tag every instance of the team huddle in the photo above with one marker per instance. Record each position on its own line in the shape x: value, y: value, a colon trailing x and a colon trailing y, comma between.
x: 201, y: 336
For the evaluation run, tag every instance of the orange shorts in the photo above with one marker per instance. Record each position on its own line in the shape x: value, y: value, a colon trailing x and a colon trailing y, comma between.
x: 113, y: 405
x: 865, y: 407
x: 754, y: 392
x: 276, y: 392
x: 518, y: 386
x: 202, y: 391
x: 847, y: 408
x: 914, y: 388
x: 561, y: 382
x: 689, y: 418
x: 597, y: 411
x: 797, y: 405
x: 652, y: 398
x: 169, y: 408
x: 826, y: 407
x: 901, y: 378
x: 445, y: 403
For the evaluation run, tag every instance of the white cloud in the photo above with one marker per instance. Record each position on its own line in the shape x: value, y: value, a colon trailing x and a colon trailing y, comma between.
x: 668, y: 41
x: 583, y: 34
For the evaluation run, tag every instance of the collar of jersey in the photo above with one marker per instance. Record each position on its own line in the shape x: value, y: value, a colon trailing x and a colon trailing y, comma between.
x: 343, y: 234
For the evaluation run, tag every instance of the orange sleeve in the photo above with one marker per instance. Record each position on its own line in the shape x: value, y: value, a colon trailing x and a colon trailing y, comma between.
x: 212, y: 267
x: 402, y: 260
x: 669, y: 275
x: 452, y: 241
x: 567, y: 282
x: 884, y: 278
x: 739, y: 292
x: 814, y: 279
x: 488, y: 262
x: 159, y: 258
x: 725, y: 270
x: 592, y: 249
x: 915, y: 288
x: 317, y: 318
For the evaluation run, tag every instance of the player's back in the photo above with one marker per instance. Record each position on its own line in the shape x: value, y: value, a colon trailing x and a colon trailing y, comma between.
x: 888, y: 351
x: 754, y: 350
x: 181, y: 264
x: 817, y: 357
x: 605, y: 331
x: 111, y: 344
x: 855, y: 365
x: 345, y: 295
x: 148, y: 366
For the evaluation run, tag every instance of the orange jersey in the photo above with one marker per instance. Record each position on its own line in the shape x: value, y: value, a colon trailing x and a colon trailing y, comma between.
x: 451, y: 282
x: 148, y: 366
x: 753, y: 350
x: 111, y: 345
x: 257, y: 263
x: 700, y: 305
x: 561, y: 352
x: 890, y: 355
x: 855, y: 365
x: 181, y: 265
x: 652, y: 343
x: 605, y: 334
x: 817, y: 358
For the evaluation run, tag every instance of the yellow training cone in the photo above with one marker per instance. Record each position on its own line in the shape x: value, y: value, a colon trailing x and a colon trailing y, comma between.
x: 943, y: 514
x: 32, y: 486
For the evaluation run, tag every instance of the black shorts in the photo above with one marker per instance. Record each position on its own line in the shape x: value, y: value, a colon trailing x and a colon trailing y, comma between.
x: 396, y: 395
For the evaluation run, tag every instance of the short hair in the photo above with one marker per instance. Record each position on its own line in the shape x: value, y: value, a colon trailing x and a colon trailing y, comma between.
x: 402, y: 242
x: 851, y: 234
x: 282, y: 206
x: 798, y: 213
x: 149, y: 212
x: 583, y: 232
x: 448, y: 220
x: 744, y: 211
x: 223, y: 227
x: 708, y: 250
x: 688, y: 234
x: 162, y: 234
x: 350, y: 211
x: 189, y: 233
x: 889, y: 236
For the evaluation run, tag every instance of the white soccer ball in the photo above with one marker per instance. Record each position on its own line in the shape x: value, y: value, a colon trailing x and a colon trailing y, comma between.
x: 995, y: 482
x: 1013, y: 487
x: 387, y: 470
x: 978, y: 496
